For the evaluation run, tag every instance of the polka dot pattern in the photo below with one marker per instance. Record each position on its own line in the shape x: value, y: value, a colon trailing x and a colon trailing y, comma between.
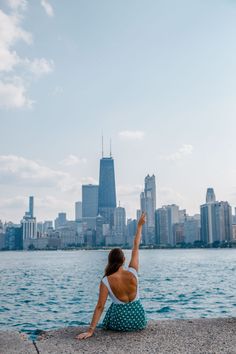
x: 125, y: 317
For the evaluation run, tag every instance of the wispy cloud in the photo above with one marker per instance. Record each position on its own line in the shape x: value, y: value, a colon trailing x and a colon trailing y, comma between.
x: 13, y: 203
x: 40, y: 66
x: 58, y: 90
x: 17, y: 4
x: 183, y: 151
x: 47, y: 8
x: 73, y: 160
x: 167, y: 196
x: 89, y: 180
x: 17, y: 205
x: 14, y: 84
x: 131, y: 135
x: 11, y: 32
x: 129, y: 190
x: 18, y: 170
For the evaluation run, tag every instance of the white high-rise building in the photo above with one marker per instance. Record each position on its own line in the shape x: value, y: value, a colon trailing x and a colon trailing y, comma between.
x: 29, y: 223
x: 29, y: 228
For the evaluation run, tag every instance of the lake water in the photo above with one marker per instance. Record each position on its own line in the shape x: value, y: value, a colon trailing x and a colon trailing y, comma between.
x: 52, y: 289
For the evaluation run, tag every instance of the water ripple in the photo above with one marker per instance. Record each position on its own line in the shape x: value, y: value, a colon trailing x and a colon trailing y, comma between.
x: 48, y: 290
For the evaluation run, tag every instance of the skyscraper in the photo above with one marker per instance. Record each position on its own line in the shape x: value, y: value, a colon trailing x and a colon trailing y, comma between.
x: 166, y: 218
x: 210, y: 196
x: 89, y: 200
x: 61, y: 220
x: 107, y: 190
x: 29, y: 224
x: 216, y: 220
x: 148, y: 205
x: 192, y: 229
x: 31, y: 206
x: 90, y: 205
x: 173, y: 218
x: 206, y: 223
x: 120, y: 220
x: 207, y: 217
x: 161, y: 226
x: 222, y: 222
x: 150, y: 195
x: 78, y: 210
x: 30, y: 212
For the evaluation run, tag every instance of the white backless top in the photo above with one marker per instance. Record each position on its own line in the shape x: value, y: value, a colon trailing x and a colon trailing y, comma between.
x: 111, y: 294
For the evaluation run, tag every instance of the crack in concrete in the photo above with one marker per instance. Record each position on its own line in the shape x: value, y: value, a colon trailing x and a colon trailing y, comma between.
x: 35, y: 345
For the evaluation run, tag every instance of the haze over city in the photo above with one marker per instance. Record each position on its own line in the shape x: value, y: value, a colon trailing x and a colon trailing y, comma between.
x: 157, y: 78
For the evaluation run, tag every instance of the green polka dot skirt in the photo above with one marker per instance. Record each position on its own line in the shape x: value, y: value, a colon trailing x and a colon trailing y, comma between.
x: 125, y: 317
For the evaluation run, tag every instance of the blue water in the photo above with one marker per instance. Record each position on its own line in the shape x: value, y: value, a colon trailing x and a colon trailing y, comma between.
x: 52, y: 289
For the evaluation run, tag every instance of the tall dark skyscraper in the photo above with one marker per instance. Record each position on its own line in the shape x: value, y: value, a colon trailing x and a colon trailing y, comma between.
x: 90, y: 205
x: 31, y: 206
x: 89, y: 200
x: 107, y: 190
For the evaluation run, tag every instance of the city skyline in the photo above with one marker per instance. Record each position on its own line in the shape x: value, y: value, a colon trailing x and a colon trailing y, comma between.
x: 72, y: 215
x: 143, y: 73
x: 166, y: 227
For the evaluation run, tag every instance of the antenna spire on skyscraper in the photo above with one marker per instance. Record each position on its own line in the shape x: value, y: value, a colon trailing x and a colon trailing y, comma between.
x: 102, y: 146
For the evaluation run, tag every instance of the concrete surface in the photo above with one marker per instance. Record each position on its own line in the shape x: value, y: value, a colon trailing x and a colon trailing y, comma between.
x: 169, y: 336
x: 15, y: 343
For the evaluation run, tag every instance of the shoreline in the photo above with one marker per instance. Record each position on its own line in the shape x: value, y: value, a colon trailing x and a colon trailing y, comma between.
x: 203, y: 335
x: 233, y: 247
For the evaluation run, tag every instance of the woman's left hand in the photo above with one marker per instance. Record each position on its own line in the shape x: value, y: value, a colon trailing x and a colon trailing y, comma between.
x: 84, y: 335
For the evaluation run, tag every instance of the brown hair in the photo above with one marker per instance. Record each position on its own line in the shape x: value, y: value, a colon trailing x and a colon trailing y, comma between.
x: 116, y: 259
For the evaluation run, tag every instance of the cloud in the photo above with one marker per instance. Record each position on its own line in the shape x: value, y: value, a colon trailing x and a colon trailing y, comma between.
x: 18, y: 170
x: 17, y: 4
x: 129, y: 190
x: 129, y: 198
x: 47, y: 7
x: 11, y: 32
x: 183, y: 151
x: 168, y: 196
x: 13, y: 203
x: 89, y: 180
x: 73, y: 160
x: 58, y: 90
x: 14, y: 83
x: 51, y: 202
x: 131, y: 135
x: 40, y: 66
x: 13, y: 95
x: 46, y: 207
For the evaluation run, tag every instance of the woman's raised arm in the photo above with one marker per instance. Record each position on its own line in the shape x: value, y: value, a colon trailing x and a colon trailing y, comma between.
x: 134, y: 262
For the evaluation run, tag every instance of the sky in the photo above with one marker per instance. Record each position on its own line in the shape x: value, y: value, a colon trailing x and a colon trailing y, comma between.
x: 157, y: 77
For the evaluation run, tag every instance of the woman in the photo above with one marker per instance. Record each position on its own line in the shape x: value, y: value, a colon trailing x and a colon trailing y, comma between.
x: 126, y: 312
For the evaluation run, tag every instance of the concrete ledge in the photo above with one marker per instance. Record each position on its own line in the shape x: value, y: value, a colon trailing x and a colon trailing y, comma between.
x: 169, y: 336
x: 15, y: 343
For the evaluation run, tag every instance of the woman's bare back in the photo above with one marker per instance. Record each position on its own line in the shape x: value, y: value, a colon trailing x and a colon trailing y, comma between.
x: 123, y: 285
